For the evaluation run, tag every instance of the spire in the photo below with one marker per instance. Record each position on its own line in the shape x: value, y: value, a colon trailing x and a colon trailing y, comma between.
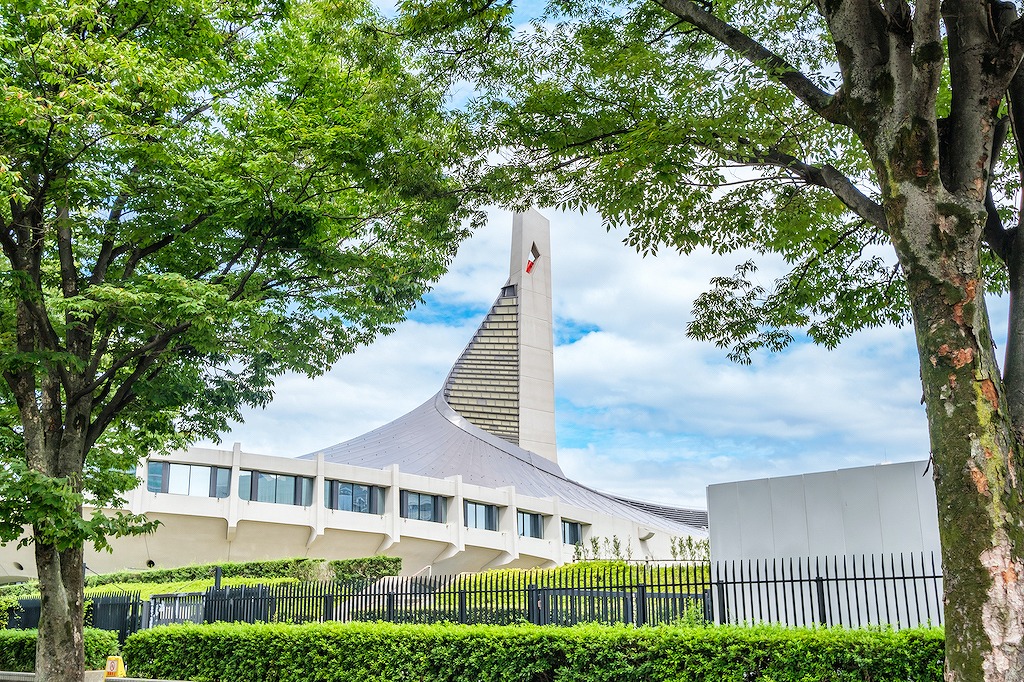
x: 504, y: 381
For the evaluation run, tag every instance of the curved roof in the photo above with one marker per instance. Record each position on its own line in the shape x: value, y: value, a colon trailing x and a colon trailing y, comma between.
x: 435, y: 440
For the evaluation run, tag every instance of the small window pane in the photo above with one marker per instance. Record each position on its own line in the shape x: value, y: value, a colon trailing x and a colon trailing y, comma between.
x: 199, y: 481
x: 245, y: 485
x: 177, y: 479
x: 361, y: 498
x: 529, y: 525
x: 266, y: 487
x: 285, y: 489
x: 222, y: 485
x: 376, y: 500
x: 307, y: 491
x: 426, y: 507
x: 155, y: 477
x: 345, y: 496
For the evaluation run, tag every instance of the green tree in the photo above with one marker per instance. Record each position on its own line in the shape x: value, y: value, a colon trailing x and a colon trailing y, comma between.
x: 199, y: 196
x: 834, y: 133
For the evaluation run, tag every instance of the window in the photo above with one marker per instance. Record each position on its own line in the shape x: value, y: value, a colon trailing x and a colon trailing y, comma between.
x: 572, y: 532
x: 260, y: 486
x: 188, y: 479
x: 529, y: 525
x: 479, y: 515
x: 354, y: 497
x: 423, y: 506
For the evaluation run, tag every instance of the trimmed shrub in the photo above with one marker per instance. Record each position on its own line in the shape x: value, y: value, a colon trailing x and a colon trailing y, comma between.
x: 335, y: 652
x: 475, y: 615
x: 18, y: 649
x: 368, y: 568
x: 301, y: 569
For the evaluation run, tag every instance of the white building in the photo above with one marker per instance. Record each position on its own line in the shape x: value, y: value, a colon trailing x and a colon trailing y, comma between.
x: 469, y: 480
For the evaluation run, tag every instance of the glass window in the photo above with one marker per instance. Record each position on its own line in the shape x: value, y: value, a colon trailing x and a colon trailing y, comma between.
x: 245, y: 485
x: 572, y: 532
x: 199, y: 481
x: 479, y: 515
x: 277, y: 488
x: 266, y: 487
x: 284, y: 490
x: 155, y: 477
x: 222, y: 483
x: 529, y: 525
x: 345, y: 496
x: 188, y: 479
x: 361, y: 498
x: 426, y: 507
x: 423, y: 506
x: 177, y: 479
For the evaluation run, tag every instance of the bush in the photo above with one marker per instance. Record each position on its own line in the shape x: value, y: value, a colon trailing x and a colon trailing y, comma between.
x: 368, y: 568
x: 18, y: 649
x: 335, y: 652
x: 302, y: 569
x: 475, y: 615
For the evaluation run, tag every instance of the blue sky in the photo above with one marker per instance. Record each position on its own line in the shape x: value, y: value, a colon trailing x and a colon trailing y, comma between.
x: 641, y: 409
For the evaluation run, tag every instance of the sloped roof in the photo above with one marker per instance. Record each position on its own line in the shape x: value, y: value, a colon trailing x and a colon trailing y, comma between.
x: 434, y: 440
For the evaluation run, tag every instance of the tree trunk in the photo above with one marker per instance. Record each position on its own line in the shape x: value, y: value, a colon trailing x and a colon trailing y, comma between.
x: 60, y: 654
x: 973, y: 447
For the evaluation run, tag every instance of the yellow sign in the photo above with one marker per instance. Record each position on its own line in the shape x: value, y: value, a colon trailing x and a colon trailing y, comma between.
x: 115, y: 667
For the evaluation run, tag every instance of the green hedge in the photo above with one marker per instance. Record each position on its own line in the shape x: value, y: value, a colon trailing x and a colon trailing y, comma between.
x: 299, y: 568
x: 18, y: 649
x: 368, y: 568
x: 444, y: 653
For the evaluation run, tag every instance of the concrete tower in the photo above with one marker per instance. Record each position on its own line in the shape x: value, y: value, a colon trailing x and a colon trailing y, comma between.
x: 504, y: 381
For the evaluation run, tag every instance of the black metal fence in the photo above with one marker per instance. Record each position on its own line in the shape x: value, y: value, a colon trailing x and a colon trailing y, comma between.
x: 901, y: 590
x: 120, y: 612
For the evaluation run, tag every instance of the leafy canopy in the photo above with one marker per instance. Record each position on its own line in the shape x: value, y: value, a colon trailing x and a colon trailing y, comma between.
x: 200, y: 196
x: 621, y: 106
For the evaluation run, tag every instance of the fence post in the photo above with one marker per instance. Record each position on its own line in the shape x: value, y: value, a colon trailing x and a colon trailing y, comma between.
x: 328, y: 607
x: 819, y: 584
x: 721, y: 602
x: 391, y: 607
x: 641, y: 605
x: 532, y: 605
x: 462, y: 607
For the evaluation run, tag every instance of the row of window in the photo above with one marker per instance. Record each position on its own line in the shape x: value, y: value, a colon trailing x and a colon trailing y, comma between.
x: 528, y: 524
x: 260, y: 486
x: 188, y: 479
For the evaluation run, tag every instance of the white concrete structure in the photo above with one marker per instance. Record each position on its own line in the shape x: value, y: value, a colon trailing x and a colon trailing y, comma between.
x: 886, y: 508
x: 468, y: 480
x: 870, y: 533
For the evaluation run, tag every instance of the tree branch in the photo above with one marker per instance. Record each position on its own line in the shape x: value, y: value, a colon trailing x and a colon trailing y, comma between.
x: 828, y: 177
x: 156, y: 344
x: 820, y: 102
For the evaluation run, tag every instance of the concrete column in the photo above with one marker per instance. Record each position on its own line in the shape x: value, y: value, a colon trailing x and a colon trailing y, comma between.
x: 530, y: 272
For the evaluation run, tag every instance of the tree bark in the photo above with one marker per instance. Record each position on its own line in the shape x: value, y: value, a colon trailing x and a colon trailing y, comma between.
x: 60, y: 656
x: 973, y: 447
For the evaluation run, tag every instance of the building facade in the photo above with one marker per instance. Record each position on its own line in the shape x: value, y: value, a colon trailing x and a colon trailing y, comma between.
x: 466, y: 481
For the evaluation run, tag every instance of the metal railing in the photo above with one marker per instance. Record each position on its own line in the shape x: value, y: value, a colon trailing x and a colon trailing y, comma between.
x: 120, y: 612
x: 900, y: 590
x: 903, y: 590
